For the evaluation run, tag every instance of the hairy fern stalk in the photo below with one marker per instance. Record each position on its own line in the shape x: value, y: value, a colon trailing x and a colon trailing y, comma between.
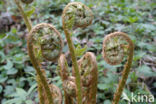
x: 44, y: 42
x: 75, y: 14
x: 115, y: 46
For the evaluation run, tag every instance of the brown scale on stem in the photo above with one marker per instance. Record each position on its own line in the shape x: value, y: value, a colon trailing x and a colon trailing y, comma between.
x: 89, y: 76
x: 25, y: 17
x: 57, y: 96
x: 115, y: 46
x: 75, y: 14
x: 69, y: 86
x: 44, y: 42
x: 88, y: 71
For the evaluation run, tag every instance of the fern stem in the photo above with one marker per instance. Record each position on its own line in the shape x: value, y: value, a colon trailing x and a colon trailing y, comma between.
x: 78, y: 15
x: 125, y: 74
x: 37, y: 67
x: 113, y: 44
x: 40, y: 90
x: 75, y: 65
x: 25, y: 17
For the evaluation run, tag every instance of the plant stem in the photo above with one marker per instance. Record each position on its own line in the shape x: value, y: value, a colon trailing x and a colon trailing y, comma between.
x: 25, y: 17
x: 40, y: 90
x: 32, y: 57
x: 64, y: 73
x: 75, y: 65
x: 74, y: 16
x: 125, y: 72
x: 37, y: 67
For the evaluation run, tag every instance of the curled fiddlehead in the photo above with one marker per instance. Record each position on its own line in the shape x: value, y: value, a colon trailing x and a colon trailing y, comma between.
x: 47, y: 42
x: 88, y: 71
x: 115, y: 46
x: 75, y: 14
x: 69, y: 86
x: 44, y: 42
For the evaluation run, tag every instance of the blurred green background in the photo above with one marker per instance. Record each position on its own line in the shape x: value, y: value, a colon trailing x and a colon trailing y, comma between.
x: 137, y: 18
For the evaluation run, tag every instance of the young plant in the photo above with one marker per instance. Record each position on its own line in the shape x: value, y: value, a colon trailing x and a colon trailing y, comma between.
x: 115, y: 46
x: 69, y: 86
x: 88, y: 72
x: 44, y: 89
x: 44, y: 42
x: 89, y: 76
x: 75, y: 14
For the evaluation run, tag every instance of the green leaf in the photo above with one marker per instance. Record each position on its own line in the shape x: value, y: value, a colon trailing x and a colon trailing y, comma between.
x: 21, y: 92
x: 29, y: 102
x: 138, y: 55
x: 14, y: 30
x: 9, y: 65
x: 2, y: 57
x: 11, y: 71
x: 3, y: 36
x: 132, y: 19
x: 30, y: 12
x: 1, y: 88
x: 18, y: 58
x: 13, y: 101
x: 154, y: 84
x: 107, y: 102
x: 103, y: 86
x: 29, y: 69
x: 32, y: 88
x: 3, y: 79
x: 80, y: 51
x: 9, y: 90
x: 146, y: 71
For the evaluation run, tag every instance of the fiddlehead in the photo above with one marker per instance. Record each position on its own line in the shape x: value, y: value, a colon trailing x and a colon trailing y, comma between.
x: 89, y: 74
x: 69, y: 86
x: 47, y: 42
x: 115, y: 46
x: 78, y: 15
x: 39, y: 47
